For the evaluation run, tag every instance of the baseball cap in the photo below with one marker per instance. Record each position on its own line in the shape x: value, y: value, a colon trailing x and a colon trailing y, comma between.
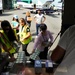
x: 15, y: 16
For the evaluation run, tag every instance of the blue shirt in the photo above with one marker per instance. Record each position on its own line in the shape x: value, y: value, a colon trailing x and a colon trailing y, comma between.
x: 15, y: 24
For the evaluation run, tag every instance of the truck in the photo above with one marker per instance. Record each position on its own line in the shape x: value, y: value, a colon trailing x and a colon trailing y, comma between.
x: 1, y: 6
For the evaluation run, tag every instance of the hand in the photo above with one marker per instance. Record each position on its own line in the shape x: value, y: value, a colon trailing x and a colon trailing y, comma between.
x: 21, y: 40
x: 33, y: 51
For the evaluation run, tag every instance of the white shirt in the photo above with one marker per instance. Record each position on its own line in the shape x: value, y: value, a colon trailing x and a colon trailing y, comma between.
x: 67, y: 42
x: 39, y: 18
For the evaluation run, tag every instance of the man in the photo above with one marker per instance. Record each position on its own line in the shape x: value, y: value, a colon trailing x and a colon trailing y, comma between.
x: 39, y: 18
x: 66, y: 45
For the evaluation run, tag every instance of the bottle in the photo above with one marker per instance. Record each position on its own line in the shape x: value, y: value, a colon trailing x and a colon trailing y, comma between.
x: 49, y: 66
x: 38, y: 67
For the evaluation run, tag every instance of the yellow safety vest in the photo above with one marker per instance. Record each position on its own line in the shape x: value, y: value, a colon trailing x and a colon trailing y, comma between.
x: 8, y: 44
x: 15, y: 34
x: 23, y: 34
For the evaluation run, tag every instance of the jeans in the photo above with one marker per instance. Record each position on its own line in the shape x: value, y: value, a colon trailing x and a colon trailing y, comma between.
x: 24, y: 48
x: 37, y: 28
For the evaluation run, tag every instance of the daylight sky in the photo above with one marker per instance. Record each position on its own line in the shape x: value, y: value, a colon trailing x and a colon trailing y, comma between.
x: 55, y: 1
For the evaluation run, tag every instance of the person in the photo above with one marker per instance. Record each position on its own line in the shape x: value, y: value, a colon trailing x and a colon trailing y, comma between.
x: 39, y: 18
x: 65, y: 48
x: 24, y: 34
x: 43, y: 41
x: 7, y: 37
x: 15, y: 23
x: 28, y: 18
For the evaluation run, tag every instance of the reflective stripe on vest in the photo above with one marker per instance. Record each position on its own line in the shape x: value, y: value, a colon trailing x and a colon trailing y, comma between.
x: 8, y: 45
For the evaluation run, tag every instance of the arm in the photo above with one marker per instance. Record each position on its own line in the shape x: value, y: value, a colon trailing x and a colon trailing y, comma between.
x: 44, y: 19
x: 36, y: 43
x: 28, y: 34
x: 29, y: 18
x: 51, y: 37
x: 35, y: 18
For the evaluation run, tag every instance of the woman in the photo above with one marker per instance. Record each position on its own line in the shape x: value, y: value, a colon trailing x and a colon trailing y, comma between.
x: 43, y: 41
x: 28, y: 18
x: 15, y: 23
x: 7, y: 37
x: 24, y: 34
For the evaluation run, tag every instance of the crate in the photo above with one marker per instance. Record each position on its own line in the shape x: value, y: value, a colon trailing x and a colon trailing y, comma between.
x: 19, y: 64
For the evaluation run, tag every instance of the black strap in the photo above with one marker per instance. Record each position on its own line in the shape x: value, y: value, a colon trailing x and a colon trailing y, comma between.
x: 55, y: 39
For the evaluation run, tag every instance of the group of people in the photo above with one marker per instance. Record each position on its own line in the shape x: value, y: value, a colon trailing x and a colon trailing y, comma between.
x: 65, y: 47
x: 8, y: 36
x: 64, y: 51
x: 19, y: 30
